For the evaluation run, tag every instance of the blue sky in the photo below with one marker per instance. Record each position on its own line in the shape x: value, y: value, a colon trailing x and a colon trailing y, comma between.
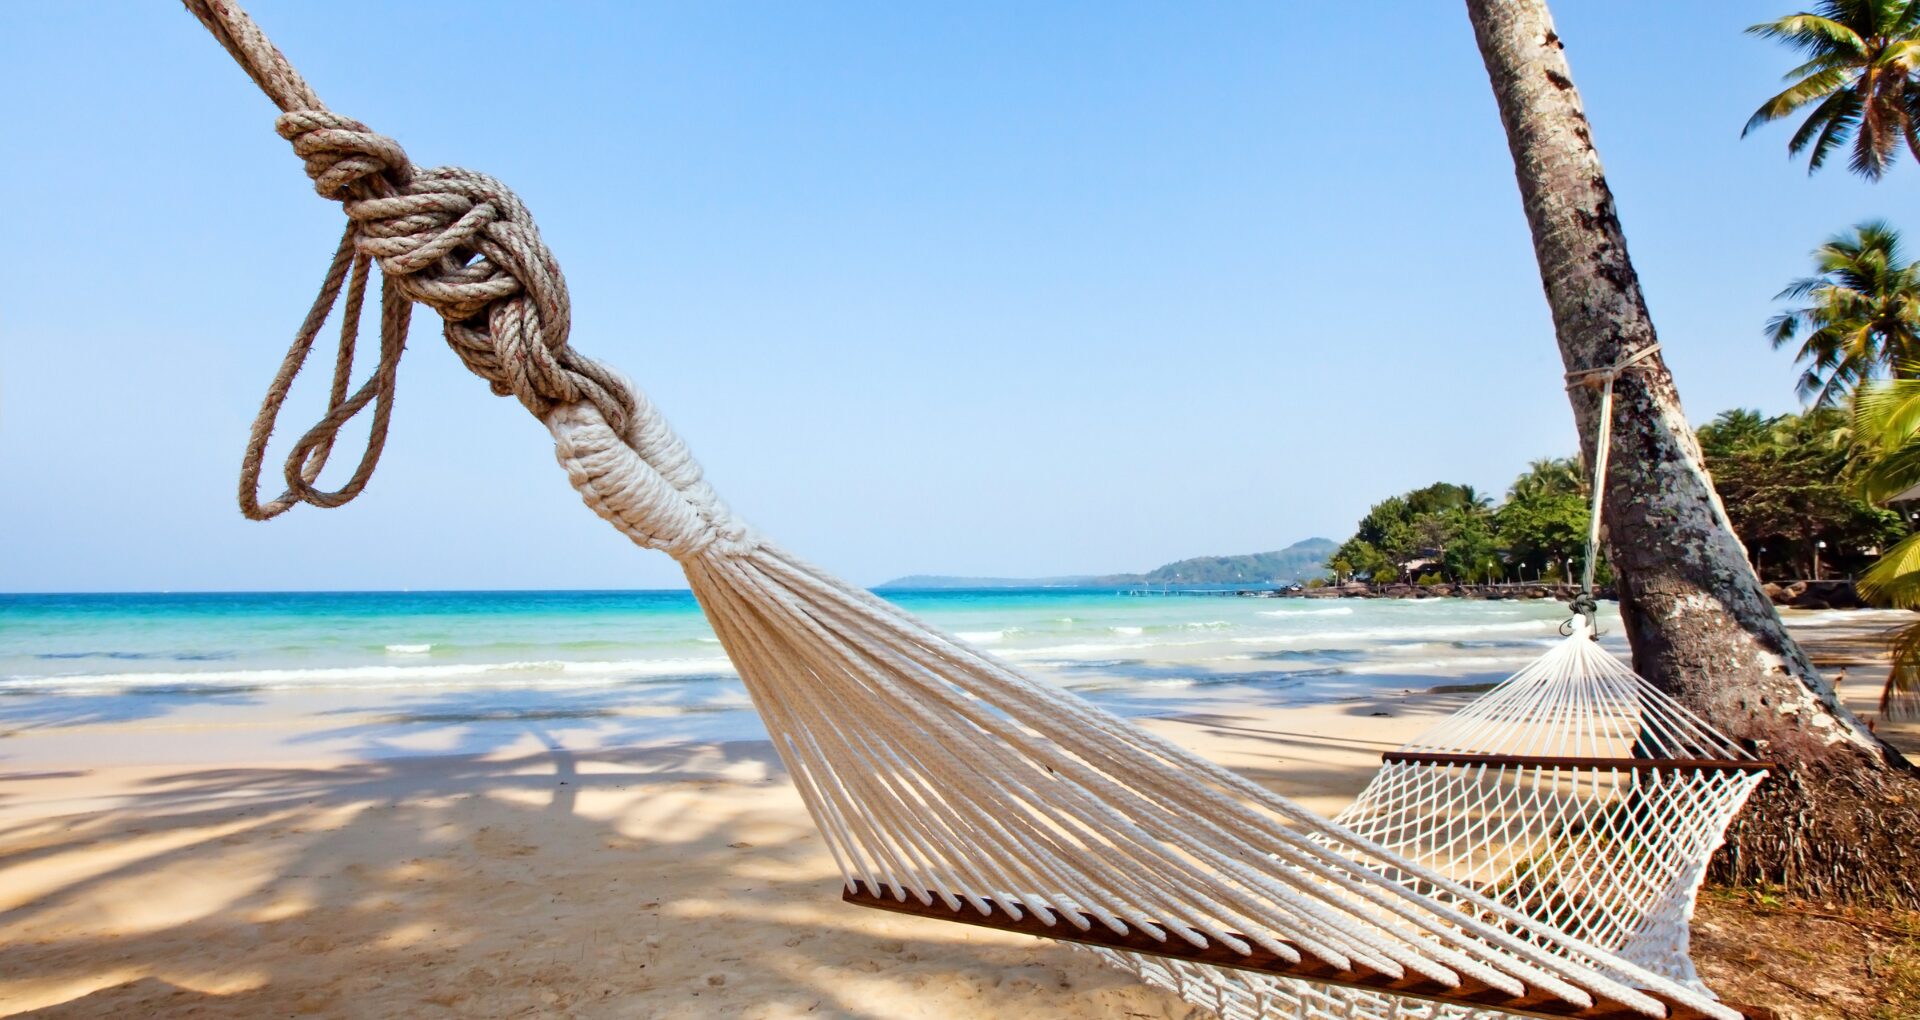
x: 970, y: 288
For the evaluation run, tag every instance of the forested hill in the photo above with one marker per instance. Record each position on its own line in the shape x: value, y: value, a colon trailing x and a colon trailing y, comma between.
x: 1298, y: 561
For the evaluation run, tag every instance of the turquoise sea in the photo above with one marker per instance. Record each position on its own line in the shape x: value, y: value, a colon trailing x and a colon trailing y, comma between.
x: 417, y: 672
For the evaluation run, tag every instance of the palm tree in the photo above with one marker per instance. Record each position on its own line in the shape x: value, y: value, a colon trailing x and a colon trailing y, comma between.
x: 1695, y: 614
x: 1862, y: 316
x: 1736, y: 430
x: 1862, y: 56
x: 1550, y: 476
x: 1886, y: 422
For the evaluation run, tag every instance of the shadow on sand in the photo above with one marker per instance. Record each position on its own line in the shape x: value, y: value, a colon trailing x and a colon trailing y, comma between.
x: 676, y: 880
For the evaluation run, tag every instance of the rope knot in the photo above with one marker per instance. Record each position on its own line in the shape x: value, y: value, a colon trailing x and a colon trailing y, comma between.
x: 340, y: 151
x: 1605, y: 374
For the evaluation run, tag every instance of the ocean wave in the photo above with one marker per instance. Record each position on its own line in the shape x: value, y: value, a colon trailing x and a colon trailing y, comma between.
x: 1325, y: 611
x: 118, y: 656
x: 1405, y: 633
x: 419, y: 649
x: 1845, y: 617
x: 1096, y: 649
x: 541, y: 672
x: 1128, y: 631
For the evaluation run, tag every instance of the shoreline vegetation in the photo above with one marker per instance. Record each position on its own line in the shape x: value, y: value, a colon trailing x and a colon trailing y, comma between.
x: 1835, y: 594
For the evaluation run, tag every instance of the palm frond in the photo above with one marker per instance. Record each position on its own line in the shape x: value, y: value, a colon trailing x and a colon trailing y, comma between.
x: 1782, y: 327
x: 1888, y: 475
x: 1894, y: 579
x: 1903, y: 53
x: 1838, y: 125
x: 1827, y: 85
x: 1900, y: 698
x: 1811, y: 32
x: 1886, y: 415
x: 1823, y: 62
x: 1907, y: 20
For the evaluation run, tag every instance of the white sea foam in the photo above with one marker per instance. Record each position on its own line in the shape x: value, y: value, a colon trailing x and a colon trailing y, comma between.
x: 1207, y: 625
x: 1128, y: 631
x: 1096, y: 649
x: 479, y: 674
x: 1847, y: 617
x: 420, y: 649
x: 1400, y: 634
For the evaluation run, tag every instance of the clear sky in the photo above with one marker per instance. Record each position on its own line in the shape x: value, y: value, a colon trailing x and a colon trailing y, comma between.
x: 1013, y: 289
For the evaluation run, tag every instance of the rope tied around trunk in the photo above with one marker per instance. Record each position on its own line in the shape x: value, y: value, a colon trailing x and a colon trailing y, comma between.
x: 463, y: 244
x: 1584, y: 604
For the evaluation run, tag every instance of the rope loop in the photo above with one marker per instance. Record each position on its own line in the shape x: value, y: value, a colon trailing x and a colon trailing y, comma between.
x: 348, y: 272
x: 459, y: 242
x: 340, y: 151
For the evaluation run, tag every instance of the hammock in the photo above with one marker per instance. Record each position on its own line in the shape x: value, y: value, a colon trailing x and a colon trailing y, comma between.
x: 1574, y: 792
x: 943, y: 780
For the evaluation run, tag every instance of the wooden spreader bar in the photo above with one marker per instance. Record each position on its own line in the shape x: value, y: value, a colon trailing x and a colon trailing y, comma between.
x: 1470, y: 992
x: 1556, y: 761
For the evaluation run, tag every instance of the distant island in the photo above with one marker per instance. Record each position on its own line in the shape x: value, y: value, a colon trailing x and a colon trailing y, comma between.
x: 1296, y: 562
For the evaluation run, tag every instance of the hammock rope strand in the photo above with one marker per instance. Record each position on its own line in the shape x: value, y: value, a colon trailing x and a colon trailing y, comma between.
x: 1584, y: 603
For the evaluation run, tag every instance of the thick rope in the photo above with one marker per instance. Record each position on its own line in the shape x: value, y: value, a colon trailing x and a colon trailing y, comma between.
x: 1584, y: 604
x: 457, y: 241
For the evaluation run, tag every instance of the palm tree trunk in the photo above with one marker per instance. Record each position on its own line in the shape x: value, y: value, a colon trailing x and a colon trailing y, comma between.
x: 1840, y: 815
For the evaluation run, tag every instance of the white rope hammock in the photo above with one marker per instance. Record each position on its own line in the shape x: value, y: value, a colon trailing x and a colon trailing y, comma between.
x: 944, y: 781
x: 1574, y: 792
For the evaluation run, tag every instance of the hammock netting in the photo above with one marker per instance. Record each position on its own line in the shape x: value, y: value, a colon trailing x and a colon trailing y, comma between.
x: 1574, y: 792
x: 947, y: 783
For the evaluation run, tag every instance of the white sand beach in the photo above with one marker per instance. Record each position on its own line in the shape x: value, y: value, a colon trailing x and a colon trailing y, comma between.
x: 669, y: 880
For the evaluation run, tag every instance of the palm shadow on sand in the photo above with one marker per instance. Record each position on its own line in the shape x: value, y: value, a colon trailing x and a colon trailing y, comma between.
x: 487, y: 882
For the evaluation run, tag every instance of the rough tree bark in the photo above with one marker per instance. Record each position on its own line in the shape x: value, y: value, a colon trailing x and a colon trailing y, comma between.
x: 1841, y: 816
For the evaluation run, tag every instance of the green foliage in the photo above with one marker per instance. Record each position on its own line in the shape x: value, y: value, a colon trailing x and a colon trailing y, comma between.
x: 1858, y: 79
x: 1886, y: 433
x: 1553, y: 476
x: 1861, y: 319
x: 1900, y: 696
x: 1302, y: 559
x: 1430, y: 578
x: 1470, y: 546
x: 1886, y: 429
x: 1544, y: 528
x: 1419, y: 525
x: 1363, y: 559
x: 1788, y: 484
